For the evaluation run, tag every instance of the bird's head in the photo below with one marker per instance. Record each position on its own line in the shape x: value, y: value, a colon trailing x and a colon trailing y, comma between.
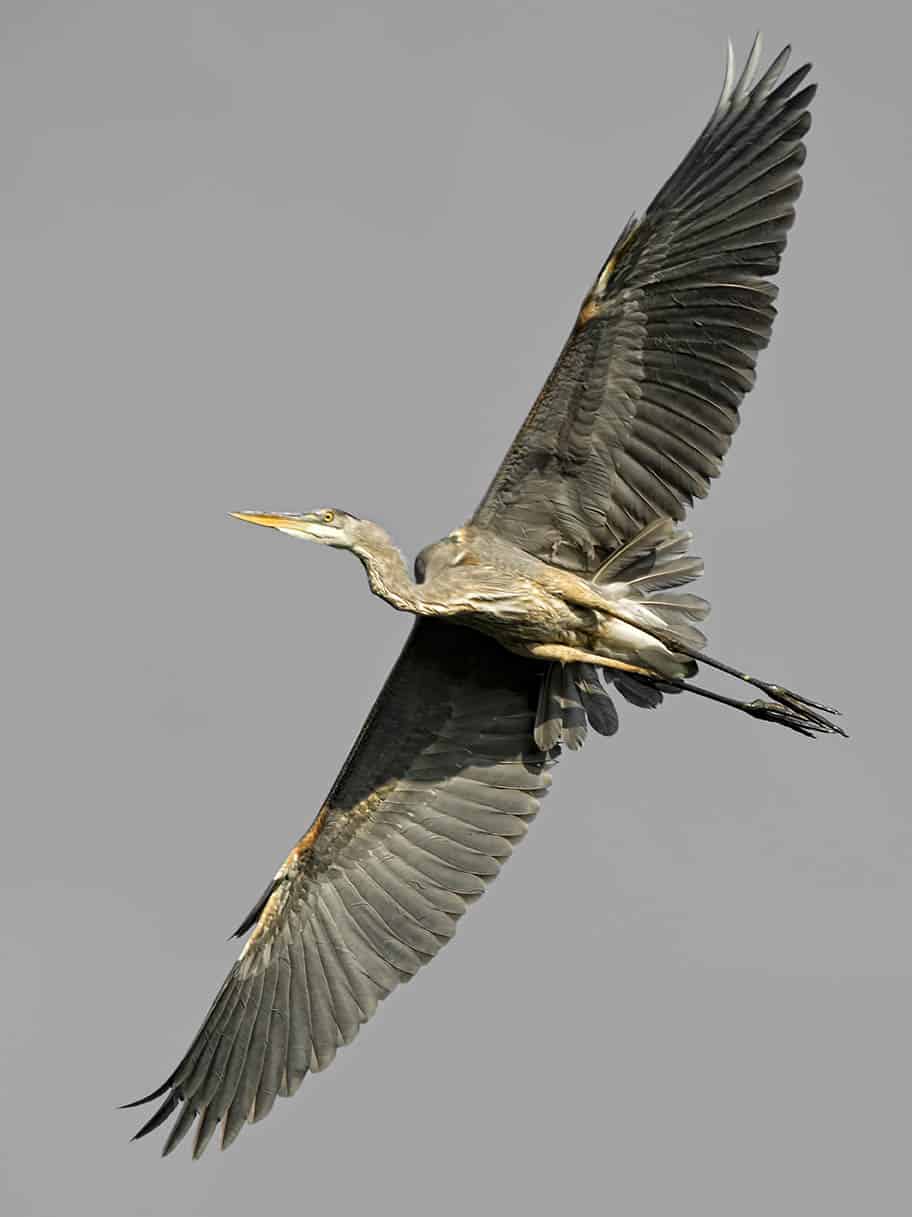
x: 327, y: 525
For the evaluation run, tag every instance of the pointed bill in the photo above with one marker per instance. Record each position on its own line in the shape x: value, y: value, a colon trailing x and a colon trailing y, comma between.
x: 287, y: 523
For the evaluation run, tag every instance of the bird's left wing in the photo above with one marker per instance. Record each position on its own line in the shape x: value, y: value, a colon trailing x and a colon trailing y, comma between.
x: 440, y: 784
x: 636, y: 416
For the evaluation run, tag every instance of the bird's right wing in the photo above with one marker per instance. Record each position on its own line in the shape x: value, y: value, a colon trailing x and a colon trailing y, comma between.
x: 441, y: 782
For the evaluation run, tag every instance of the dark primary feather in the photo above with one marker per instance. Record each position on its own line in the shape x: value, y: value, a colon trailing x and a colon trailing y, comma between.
x: 632, y: 423
x: 440, y: 785
x: 639, y: 411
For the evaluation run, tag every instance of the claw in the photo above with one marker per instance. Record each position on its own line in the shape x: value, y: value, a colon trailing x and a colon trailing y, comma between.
x: 775, y: 712
x: 795, y: 711
x: 792, y: 716
x: 806, y: 709
x: 779, y: 692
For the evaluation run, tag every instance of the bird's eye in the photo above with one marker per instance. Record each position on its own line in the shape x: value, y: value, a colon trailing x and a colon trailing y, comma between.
x: 328, y: 517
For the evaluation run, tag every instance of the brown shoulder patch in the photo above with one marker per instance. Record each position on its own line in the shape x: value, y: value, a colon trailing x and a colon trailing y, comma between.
x: 593, y: 301
x: 268, y: 912
x: 309, y: 837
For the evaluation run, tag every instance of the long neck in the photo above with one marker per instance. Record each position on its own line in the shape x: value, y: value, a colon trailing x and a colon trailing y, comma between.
x: 387, y: 573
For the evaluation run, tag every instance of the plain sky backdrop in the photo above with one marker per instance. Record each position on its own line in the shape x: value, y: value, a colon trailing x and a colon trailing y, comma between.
x: 285, y: 254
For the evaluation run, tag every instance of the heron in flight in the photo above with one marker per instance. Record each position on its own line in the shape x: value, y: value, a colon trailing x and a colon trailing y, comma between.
x: 563, y: 584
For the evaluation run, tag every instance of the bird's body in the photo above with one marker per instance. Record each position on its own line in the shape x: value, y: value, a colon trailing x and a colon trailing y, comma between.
x: 474, y: 578
x: 564, y: 580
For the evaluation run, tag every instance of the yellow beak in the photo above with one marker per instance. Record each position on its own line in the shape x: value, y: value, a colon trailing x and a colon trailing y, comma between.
x: 288, y: 523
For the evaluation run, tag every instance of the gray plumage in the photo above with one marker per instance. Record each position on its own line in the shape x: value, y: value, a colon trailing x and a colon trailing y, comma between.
x: 563, y: 585
x: 640, y: 409
x: 385, y: 893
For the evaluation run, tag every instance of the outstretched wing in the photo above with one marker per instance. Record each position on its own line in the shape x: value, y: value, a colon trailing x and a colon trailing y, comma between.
x: 641, y: 406
x: 441, y: 782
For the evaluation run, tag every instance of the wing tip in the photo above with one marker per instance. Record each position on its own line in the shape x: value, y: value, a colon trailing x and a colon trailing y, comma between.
x: 750, y: 81
x: 153, y: 1094
x: 749, y: 71
x: 158, y: 1117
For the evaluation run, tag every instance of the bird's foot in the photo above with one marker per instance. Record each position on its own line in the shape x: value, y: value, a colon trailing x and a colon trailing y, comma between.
x: 802, y: 707
x: 793, y: 716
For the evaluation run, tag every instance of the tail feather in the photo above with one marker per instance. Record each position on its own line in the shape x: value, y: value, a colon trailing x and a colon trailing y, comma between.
x: 600, y: 709
x: 636, y: 691
x: 693, y: 607
x: 642, y: 546
x: 571, y: 699
x: 658, y: 551
x: 679, y: 614
x: 666, y: 575
x: 640, y: 575
x: 638, y: 579
x: 561, y: 715
x: 675, y: 546
x: 674, y: 624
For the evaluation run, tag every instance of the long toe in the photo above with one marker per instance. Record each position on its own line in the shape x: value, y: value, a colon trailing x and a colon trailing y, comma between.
x: 793, y: 718
x: 811, y: 711
x: 796, y: 698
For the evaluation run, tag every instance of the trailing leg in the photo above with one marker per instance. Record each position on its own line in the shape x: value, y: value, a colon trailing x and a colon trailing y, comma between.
x: 635, y: 582
x: 784, y: 713
x: 810, y: 710
x: 794, y: 702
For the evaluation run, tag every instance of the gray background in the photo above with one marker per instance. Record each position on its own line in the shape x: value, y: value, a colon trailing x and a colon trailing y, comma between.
x: 287, y: 254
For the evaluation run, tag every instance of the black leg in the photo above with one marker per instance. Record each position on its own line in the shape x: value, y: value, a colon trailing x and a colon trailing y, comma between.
x: 787, y: 715
x: 810, y: 710
x: 807, y: 710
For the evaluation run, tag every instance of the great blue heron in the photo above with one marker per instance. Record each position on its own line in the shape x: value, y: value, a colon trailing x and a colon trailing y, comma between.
x: 563, y: 574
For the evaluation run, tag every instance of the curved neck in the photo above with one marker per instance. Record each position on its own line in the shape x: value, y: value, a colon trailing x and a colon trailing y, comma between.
x: 387, y: 572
